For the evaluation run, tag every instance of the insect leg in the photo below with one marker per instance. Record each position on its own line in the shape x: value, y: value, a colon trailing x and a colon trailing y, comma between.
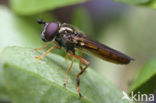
x: 46, y: 45
x: 80, y: 73
x: 47, y: 52
x: 66, y: 57
x: 80, y: 63
x: 73, y: 59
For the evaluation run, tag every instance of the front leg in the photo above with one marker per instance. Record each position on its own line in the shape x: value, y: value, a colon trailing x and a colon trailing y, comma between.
x: 47, y: 52
x: 73, y: 59
x: 46, y: 45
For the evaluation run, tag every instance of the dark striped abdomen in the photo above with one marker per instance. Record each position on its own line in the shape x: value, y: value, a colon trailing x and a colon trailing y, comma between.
x: 106, y: 53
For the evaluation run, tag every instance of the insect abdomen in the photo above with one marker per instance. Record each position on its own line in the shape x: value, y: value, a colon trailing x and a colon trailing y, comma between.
x: 107, y: 53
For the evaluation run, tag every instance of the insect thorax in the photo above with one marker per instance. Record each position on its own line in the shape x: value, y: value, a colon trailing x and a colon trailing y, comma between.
x: 65, y: 37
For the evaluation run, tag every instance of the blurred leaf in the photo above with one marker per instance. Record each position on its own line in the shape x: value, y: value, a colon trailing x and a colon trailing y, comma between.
x: 82, y: 20
x: 17, y: 31
x: 29, y: 7
x: 147, y: 3
x: 152, y: 4
x: 41, y: 81
x: 134, y: 1
x: 145, y: 82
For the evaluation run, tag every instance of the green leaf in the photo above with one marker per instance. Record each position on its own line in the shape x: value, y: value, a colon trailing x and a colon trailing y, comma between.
x: 145, y: 82
x: 41, y: 81
x: 152, y: 4
x: 146, y: 3
x: 29, y: 7
x: 133, y: 1
x: 3, y: 93
x: 16, y: 30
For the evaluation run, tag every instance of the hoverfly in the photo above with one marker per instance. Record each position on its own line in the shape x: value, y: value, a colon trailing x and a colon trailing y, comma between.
x: 65, y: 35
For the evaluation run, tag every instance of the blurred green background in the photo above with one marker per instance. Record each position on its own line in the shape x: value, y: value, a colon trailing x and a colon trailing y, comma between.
x: 130, y: 29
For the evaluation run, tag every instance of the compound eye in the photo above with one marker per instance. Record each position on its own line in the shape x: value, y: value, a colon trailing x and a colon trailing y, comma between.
x: 50, y: 31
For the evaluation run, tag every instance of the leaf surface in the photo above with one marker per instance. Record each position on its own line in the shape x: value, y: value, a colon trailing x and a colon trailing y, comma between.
x: 29, y: 7
x: 41, y: 81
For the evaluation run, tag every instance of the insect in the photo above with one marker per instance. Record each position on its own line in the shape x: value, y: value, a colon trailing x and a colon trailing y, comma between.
x: 65, y: 35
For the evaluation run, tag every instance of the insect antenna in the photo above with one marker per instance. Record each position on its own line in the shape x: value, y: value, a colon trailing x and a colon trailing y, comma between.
x: 40, y: 22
